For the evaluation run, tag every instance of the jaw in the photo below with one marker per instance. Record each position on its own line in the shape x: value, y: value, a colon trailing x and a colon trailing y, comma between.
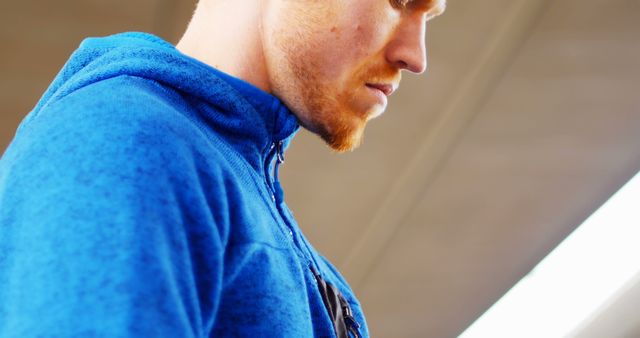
x: 329, y: 102
x: 341, y: 133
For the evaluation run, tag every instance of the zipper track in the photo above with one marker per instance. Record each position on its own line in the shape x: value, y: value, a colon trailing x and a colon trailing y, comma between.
x: 276, y: 150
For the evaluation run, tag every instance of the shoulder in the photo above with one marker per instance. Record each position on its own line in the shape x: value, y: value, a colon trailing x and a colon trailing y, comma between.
x: 121, y: 126
x: 123, y: 103
x: 112, y: 144
x: 117, y: 112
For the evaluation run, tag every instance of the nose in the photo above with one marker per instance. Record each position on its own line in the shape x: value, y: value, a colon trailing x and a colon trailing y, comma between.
x: 407, y: 50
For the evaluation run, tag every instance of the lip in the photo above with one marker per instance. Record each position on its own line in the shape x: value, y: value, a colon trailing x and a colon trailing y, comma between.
x: 386, y: 89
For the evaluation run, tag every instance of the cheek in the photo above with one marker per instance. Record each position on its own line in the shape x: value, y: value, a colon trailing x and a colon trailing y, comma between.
x: 342, y: 57
x: 358, y: 46
x: 336, y: 54
x: 339, y: 51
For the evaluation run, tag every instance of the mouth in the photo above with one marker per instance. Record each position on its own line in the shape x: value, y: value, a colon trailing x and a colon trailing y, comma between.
x: 386, y: 89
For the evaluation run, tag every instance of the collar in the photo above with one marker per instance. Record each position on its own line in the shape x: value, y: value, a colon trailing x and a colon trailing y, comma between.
x: 249, y: 119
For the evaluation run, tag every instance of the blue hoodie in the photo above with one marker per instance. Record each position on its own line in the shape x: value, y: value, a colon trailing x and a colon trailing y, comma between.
x: 140, y: 198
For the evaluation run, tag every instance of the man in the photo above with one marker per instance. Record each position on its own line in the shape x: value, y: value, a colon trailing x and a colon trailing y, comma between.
x: 140, y: 197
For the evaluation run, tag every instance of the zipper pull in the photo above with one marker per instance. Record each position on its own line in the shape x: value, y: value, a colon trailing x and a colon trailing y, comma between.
x: 267, y: 171
x: 280, y: 157
x: 279, y: 193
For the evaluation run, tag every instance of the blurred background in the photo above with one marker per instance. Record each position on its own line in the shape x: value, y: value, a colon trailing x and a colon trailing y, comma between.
x: 525, y: 123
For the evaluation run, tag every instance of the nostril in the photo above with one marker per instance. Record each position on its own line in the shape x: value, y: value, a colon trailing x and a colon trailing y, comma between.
x: 403, y: 65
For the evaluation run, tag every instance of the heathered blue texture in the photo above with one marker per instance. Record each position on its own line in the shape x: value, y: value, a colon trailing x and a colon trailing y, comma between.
x: 136, y: 200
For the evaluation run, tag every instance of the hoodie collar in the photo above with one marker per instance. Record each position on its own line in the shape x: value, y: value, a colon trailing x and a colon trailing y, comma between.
x: 249, y: 118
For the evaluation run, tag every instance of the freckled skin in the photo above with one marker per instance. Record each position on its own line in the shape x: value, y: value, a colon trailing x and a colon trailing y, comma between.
x: 329, y: 61
x: 321, y: 54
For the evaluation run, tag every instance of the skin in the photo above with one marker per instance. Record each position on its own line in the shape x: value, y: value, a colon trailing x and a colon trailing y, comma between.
x: 322, y: 58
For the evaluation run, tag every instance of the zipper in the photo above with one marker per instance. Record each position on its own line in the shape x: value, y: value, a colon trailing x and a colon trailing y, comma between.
x: 271, y: 179
x: 276, y: 149
x: 278, y: 193
x: 267, y: 169
x: 278, y: 199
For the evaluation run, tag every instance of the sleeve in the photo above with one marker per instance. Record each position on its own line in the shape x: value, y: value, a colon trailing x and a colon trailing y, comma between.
x: 105, y: 230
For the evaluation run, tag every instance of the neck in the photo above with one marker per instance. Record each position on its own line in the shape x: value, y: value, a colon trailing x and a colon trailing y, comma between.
x: 228, y: 42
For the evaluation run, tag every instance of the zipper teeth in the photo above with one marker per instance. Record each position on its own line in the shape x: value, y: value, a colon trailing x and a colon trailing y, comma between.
x: 280, y: 152
x: 352, y: 324
x: 267, y: 169
x: 300, y: 245
x: 275, y: 149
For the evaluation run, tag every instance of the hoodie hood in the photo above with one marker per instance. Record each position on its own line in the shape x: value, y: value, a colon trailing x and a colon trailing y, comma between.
x: 251, y: 117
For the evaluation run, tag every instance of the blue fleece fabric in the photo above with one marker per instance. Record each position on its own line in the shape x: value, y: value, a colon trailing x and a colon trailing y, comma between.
x: 137, y: 200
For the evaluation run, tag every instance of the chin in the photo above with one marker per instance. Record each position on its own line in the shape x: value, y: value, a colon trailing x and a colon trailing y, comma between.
x: 341, y: 128
x: 375, y: 112
x: 343, y: 133
x: 348, y: 142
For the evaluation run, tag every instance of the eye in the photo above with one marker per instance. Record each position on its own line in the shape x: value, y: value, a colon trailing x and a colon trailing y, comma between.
x: 399, y: 3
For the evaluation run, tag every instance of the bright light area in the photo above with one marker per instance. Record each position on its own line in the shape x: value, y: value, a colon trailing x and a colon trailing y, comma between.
x: 575, y: 279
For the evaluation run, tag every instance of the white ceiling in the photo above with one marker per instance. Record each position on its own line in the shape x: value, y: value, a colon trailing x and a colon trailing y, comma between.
x: 618, y: 317
x: 526, y: 121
